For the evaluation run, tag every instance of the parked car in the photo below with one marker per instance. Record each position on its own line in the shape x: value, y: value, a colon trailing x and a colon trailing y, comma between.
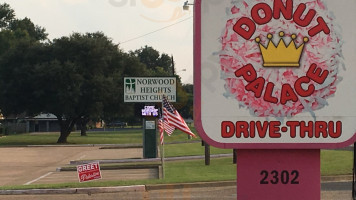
x: 117, y: 124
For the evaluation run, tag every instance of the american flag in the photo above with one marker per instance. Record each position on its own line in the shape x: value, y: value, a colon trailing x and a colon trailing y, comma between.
x: 172, y: 119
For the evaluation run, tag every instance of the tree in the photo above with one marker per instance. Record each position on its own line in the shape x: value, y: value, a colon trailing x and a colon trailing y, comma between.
x: 158, y: 64
x: 7, y: 14
x: 88, y: 71
x: 14, y: 31
x: 115, y: 108
x: 35, y: 32
x: 17, y: 83
x: 19, y: 50
x: 76, y: 78
x: 187, y: 110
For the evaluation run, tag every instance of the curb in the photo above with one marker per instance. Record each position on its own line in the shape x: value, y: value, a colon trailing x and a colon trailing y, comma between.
x: 144, y: 188
x: 142, y: 160
x: 91, y: 190
x: 190, y: 185
x: 340, y: 178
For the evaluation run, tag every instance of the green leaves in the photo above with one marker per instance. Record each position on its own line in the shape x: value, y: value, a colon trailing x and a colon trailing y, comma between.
x: 6, y: 15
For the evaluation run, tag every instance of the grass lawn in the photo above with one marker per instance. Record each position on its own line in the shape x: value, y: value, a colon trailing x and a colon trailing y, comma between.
x: 122, y: 136
x: 336, y: 162
x: 128, y: 136
x: 190, y: 149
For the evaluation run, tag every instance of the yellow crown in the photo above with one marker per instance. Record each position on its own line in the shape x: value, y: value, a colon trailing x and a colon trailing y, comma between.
x: 281, y: 55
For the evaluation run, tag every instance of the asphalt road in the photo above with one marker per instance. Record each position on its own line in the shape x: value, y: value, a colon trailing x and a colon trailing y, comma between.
x: 29, y: 165
x: 336, y: 186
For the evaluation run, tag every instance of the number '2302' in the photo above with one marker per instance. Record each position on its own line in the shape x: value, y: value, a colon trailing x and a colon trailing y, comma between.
x: 277, y: 177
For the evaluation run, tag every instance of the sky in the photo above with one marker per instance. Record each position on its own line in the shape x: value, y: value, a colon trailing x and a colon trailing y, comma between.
x: 161, y: 24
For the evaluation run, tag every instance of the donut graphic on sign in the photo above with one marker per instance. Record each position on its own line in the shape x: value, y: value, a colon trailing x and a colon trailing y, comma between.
x: 280, y: 58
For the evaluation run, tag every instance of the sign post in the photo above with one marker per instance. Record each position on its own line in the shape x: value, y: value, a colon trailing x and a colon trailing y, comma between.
x: 275, y: 80
x: 150, y: 137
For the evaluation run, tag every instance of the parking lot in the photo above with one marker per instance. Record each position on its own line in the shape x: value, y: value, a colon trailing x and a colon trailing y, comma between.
x: 30, y: 165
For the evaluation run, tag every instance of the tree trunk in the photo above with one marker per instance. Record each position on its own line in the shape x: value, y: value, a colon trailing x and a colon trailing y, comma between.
x: 83, y: 131
x: 66, y: 127
x: 83, y: 126
x: 63, y: 137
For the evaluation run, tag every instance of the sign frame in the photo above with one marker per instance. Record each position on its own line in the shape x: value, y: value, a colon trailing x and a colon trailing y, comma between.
x: 169, y: 90
x: 198, y: 106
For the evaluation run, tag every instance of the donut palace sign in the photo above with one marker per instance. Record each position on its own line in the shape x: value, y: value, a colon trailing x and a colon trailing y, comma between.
x: 275, y: 73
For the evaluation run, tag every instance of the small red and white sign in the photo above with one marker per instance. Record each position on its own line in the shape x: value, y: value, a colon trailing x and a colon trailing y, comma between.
x: 89, y: 172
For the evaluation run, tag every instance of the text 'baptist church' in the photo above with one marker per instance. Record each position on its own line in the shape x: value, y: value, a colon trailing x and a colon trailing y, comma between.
x: 149, y: 89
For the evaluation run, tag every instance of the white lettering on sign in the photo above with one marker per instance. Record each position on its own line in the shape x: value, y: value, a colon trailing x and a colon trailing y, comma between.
x: 86, y: 167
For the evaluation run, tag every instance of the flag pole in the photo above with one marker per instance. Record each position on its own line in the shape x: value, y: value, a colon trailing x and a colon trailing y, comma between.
x: 162, y: 159
x: 162, y: 144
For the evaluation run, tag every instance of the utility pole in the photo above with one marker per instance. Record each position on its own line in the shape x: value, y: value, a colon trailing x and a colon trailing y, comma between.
x: 173, y: 70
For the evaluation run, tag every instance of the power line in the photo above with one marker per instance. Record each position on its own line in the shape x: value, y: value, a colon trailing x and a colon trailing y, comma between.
x: 155, y: 31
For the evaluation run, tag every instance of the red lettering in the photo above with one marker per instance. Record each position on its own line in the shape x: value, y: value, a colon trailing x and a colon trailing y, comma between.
x: 321, y: 128
x: 262, y: 129
x: 262, y: 13
x: 268, y: 94
x: 292, y: 128
x: 337, y: 132
x: 259, y: 86
x: 298, y: 14
x: 274, y: 129
x: 306, y: 129
x: 247, y: 72
x: 227, y: 129
x: 288, y: 94
x: 242, y: 127
x: 299, y: 89
x: 316, y: 74
x: 252, y: 129
x: 248, y: 129
x: 256, y: 86
x: 278, y: 8
x: 255, y: 13
x: 322, y: 26
x: 242, y: 24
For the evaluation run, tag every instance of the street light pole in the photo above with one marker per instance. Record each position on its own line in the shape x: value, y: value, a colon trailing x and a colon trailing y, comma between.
x: 186, y: 5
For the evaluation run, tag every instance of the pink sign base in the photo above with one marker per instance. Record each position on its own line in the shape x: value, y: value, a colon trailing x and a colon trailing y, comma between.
x: 278, y: 174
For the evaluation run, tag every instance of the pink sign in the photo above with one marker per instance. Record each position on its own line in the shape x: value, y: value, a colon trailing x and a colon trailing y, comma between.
x: 278, y: 174
x: 275, y: 73
x: 89, y: 172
